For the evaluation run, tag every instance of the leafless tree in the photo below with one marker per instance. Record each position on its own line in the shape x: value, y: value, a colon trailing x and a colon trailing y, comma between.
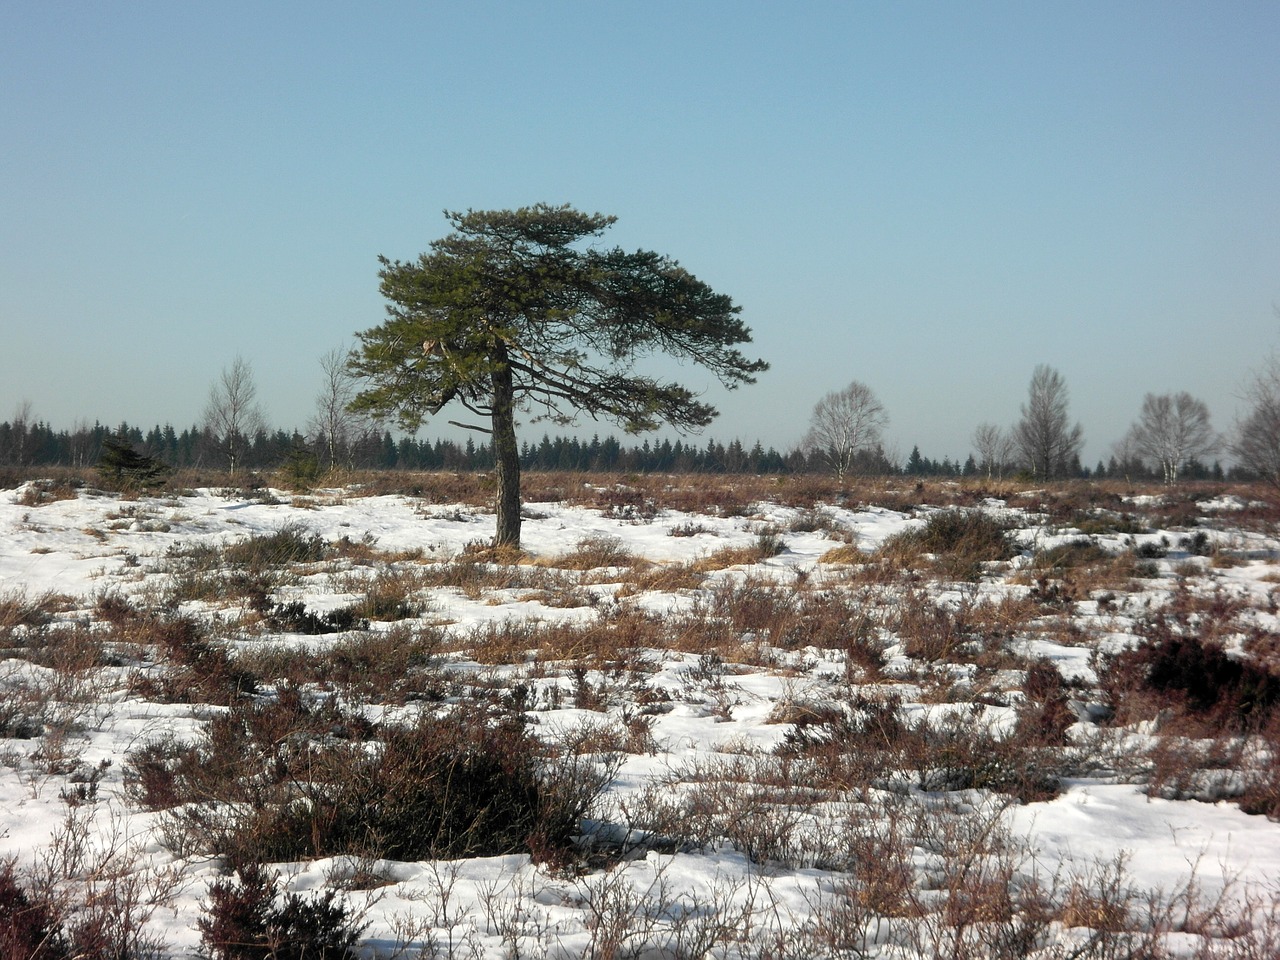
x: 845, y: 423
x: 1124, y: 455
x: 994, y: 446
x: 333, y: 424
x: 1043, y: 439
x: 20, y: 430
x: 1256, y: 444
x: 82, y: 442
x: 1171, y: 430
x: 232, y: 415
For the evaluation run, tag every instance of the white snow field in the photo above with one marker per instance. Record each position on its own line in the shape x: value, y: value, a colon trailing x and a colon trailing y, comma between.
x: 793, y: 738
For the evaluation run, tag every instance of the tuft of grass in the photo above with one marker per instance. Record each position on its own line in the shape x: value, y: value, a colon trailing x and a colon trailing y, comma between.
x: 1072, y: 554
x: 594, y: 552
x: 389, y: 596
x: 291, y: 543
x: 20, y: 612
x: 957, y: 543
x: 767, y: 544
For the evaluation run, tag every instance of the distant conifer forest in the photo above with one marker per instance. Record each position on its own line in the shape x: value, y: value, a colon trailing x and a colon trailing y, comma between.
x: 36, y: 443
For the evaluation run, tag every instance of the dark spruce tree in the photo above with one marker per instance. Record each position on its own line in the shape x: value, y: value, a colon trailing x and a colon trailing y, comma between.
x: 513, y: 312
x: 123, y: 467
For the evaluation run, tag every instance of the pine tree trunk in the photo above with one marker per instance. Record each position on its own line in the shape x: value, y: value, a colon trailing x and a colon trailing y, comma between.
x: 506, y: 457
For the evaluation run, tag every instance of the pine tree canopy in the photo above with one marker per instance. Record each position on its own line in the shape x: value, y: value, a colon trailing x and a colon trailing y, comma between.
x: 516, y: 310
x: 513, y: 291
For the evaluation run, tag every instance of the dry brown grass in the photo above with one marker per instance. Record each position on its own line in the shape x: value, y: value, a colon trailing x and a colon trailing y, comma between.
x: 19, y: 611
x: 593, y: 553
x: 662, y: 578
x: 600, y: 640
x: 42, y: 492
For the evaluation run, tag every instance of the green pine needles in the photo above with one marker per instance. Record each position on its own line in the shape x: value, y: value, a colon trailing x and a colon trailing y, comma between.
x: 513, y: 312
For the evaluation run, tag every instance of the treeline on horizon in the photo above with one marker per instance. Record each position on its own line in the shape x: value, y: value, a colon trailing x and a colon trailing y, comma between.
x: 38, y: 444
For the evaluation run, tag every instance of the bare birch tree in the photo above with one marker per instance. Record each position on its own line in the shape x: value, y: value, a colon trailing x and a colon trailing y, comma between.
x: 20, y: 433
x: 994, y: 446
x: 1171, y: 430
x: 232, y: 415
x: 1257, y: 437
x: 333, y: 425
x: 1124, y: 454
x: 845, y: 423
x: 1043, y: 438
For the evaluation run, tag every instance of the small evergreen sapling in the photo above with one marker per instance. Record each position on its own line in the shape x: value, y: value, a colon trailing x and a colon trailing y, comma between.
x: 123, y: 467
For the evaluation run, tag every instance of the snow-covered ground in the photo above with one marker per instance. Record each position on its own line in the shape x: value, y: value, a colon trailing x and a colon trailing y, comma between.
x: 94, y: 546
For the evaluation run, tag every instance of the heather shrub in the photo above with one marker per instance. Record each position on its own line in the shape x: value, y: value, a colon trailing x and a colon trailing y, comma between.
x: 249, y: 569
x: 23, y: 710
x: 290, y: 781
x: 1261, y: 794
x: 398, y: 663
x: 1197, y: 544
x: 22, y: 618
x: 294, y: 617
x: 759, y: 804
x: 929, y: 629
x: 1151, y: 549
x: 959, y: 541
x: 247, y: 755
x: 290, y: 543
x: 1100, y: 522
x: 863, y: 744
x: 1043, y: 716
x: 30, y: 925
x: 1069, y: 555
x: 388, y: 596
x: 753, y: 604
x: 198, y: 669
x: 1194, y: 680
x: 816, y: 519
x: 961, y: 752
x: 243, y: 921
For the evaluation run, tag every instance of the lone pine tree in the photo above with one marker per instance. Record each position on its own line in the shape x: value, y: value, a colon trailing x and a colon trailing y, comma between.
x: 512, y: 312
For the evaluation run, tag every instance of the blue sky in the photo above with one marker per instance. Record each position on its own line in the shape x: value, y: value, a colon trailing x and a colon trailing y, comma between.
x: 931, y: 198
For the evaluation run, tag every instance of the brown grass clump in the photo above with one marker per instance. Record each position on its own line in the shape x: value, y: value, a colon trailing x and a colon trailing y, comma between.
x: 956, y: 543
x: 663, y: 578
x: 845, y: 554
x: 766, y: 545
x: 594, y: 552
x: 39, y: 493
x: 602, y: 639
x: 19, y: 612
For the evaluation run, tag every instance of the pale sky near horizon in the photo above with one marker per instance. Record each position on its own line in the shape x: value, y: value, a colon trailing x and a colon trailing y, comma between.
x: 931, y: 198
